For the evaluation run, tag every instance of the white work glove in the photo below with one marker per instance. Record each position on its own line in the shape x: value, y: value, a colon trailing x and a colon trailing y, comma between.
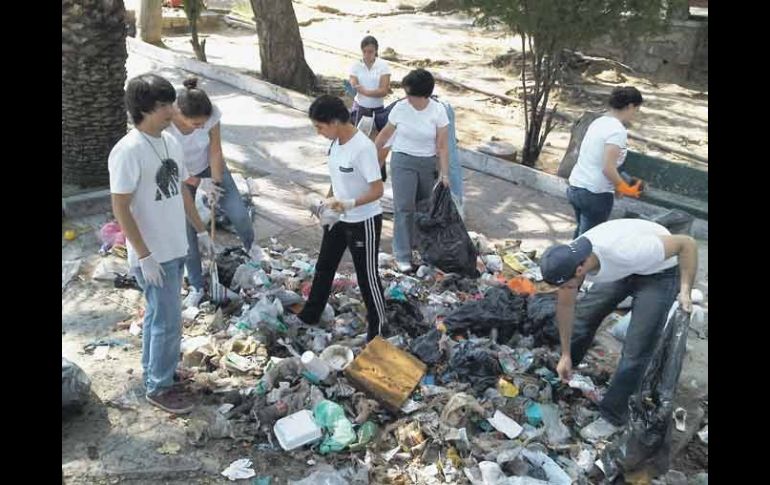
x: 205, y: 244
x: 216, y: 191
x: 340, y: 205
x: 152, y: 271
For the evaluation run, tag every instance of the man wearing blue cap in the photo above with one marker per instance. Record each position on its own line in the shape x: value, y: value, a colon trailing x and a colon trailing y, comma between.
x: 621, y: 257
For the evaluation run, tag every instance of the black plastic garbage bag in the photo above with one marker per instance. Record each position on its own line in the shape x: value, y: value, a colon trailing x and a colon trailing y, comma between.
x: 500, y: 308
x: 541, y: 319
x: 474, y: 363
x: 404, y: 316
x: 228, y: 262
x: 442, y: 238
x: 426, y: 347
x: 75, y: 386
x: 645, y: 444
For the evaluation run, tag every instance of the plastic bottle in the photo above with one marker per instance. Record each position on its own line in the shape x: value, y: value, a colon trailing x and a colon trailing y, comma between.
x: 314, y: 365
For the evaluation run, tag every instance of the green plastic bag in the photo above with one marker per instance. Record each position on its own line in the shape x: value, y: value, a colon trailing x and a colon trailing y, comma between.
x: 331, y: 417
x: 366, y: 434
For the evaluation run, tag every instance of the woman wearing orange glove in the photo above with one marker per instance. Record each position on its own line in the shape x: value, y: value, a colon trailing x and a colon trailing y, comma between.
x: 595, y: 178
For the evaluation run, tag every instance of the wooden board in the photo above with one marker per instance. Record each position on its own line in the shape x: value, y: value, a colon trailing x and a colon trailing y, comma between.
x: 386, y: 372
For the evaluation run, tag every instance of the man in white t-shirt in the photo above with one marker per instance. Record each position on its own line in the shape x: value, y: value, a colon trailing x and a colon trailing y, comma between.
x: 622, y: 257
x: 150, y: 201
x: 595, y: 177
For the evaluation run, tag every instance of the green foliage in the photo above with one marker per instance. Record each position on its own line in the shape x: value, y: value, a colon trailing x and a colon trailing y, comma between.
x: 549, y: 27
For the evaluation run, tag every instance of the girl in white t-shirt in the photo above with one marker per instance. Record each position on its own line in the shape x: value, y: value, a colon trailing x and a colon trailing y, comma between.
x: 196, y: 126
x: 420, y: 154
x: 595, y: 177
x: 370, y: 77
x: 357, y: 187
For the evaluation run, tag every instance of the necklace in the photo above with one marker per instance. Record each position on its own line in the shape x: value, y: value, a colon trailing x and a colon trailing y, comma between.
x: 153, y: 146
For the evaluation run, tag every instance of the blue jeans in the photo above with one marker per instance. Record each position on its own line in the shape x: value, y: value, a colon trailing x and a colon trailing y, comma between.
x: 653, y: 296
x: 162, y: 330
x: 233, y: 206
x: 590, y: 209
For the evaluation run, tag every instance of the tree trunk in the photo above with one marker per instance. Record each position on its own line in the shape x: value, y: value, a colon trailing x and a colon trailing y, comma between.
x: 579, y: 129
x: 93, y: 75
x: 150, y: 22
x: 280, y: 45
x: 193, y: 10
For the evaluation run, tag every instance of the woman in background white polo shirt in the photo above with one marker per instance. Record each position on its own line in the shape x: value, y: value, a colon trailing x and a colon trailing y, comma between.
x: 370, y: 77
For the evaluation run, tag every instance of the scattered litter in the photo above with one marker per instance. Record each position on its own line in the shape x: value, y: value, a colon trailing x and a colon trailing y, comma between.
x: 462, y: 381
x: 100, y: 352
x: 505, y: 425
x: 620, y: 328
x: 331, y: 417
x: 69, y: 269
x: 75, y: 386
x: 169, y: 448
x: 190, y: 313
x: 386, y: 372
x: 338, y: 357
x: 585, y: 384
x: 680, y: 418
x: 704, y: 435
x: 239, y: 470
x: 297, y: 430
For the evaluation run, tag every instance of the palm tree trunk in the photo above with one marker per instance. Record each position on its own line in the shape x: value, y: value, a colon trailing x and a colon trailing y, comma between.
x: 93, y: 75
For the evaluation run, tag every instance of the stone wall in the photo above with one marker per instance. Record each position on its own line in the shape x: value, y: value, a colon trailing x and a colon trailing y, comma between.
x: 680, y: 55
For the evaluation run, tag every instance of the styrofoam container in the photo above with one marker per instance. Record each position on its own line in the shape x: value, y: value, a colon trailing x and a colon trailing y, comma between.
x: 296, y: 430
x: 337, y: 356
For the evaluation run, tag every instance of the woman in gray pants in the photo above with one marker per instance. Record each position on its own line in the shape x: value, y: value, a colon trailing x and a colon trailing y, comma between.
x: 420, y: 153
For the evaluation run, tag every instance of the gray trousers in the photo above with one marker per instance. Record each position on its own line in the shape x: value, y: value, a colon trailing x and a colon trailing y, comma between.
x: 653, y: 296
x: 413, y: 179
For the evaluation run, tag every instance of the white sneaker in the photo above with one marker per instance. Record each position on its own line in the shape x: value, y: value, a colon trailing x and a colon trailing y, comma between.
x: 193, y: 298
x: 404, y: 267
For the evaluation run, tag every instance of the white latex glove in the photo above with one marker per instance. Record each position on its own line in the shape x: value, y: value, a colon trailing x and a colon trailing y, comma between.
x: 152, y: 271
x: 205, y: 244
x: 340, y: 205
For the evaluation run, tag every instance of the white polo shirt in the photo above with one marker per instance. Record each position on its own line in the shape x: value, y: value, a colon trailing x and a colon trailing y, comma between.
x: 370, y: 79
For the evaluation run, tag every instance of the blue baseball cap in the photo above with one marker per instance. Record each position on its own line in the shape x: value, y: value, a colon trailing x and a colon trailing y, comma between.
x: 560, y: 261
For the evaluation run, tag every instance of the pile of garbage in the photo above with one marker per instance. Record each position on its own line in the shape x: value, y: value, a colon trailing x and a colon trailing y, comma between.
x: 460, y: 388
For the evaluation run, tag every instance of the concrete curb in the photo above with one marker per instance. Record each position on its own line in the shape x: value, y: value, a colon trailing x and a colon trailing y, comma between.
x: 496, y: 167
x: 86, y: 203
x: 557, y: 186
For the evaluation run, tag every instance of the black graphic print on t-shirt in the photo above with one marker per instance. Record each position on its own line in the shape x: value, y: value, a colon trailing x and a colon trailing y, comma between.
x: 167, y: 178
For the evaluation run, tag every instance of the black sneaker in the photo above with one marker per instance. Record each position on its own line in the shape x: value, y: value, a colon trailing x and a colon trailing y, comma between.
x: 172, y: 401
